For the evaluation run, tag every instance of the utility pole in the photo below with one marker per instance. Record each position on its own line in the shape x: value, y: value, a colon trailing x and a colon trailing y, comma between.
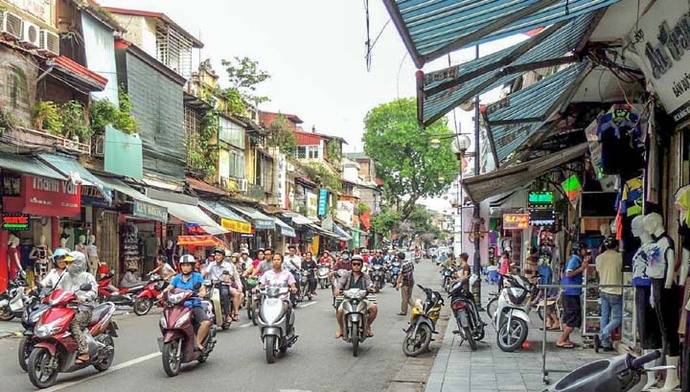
x: 476, y: 216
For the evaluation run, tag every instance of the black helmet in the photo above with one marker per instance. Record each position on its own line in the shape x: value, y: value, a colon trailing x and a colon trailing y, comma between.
x: 578, y: 246
x: 610, y: 242
x: 218, y: 249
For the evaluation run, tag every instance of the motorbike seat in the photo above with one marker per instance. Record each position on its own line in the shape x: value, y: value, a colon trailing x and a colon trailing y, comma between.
x: 100, y: 311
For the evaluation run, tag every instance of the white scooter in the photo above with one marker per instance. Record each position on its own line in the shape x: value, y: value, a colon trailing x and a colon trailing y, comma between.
x: 511, y: 318
x: 276, y: 322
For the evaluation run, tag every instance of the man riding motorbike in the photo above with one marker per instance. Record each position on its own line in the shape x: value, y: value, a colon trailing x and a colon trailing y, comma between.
x: 72, y: 281
x: 309, y: 265
x: 293, y: 262
x: 378, y: 258
x: 216, y: 272
x: 191, y: 280
x: 351, y: 280
x: 263, y: 266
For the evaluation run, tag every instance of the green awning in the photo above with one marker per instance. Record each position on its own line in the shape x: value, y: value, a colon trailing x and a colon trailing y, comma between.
x: 28, y: 165
x: 144, y: 206
x: 71, y: 168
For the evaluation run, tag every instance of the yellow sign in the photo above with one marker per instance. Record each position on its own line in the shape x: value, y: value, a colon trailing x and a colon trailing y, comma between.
x: 236, y: 226
x: 315, y: 245
x: 515, y: 221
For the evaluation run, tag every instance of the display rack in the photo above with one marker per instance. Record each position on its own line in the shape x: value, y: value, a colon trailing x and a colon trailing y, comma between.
x: 628, y: 326
x: 591, y: 307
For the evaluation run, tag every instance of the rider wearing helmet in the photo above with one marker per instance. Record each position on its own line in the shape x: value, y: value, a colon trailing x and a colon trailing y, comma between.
x: 60, y: 258
x: 355, y: 279
x: 224, y: 271
x: 191, y: 280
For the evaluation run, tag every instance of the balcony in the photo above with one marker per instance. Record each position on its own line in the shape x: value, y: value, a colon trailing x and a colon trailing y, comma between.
x: 32, y: 139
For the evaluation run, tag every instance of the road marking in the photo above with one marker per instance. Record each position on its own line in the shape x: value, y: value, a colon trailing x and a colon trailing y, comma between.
x: 293, y: 390
x: 304, y: 305
x: 97, y: 375
x: 245, y: 325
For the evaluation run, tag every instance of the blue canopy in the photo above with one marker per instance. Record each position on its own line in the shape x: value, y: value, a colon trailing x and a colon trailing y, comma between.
x: 432, y: 28
x: 516, y: 118
x: 444, y: 90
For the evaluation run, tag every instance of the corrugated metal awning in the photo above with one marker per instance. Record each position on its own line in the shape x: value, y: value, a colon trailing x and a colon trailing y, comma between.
x: 444, y: 90
x: 193, y: 215
x: 514, y: 119
x: 260, y: 220
x: 28, y: 165
x: 433, y: 28
x: 285, y: 229
x: 480, y: 187
x: 220, y: 210
x: 70, y: 167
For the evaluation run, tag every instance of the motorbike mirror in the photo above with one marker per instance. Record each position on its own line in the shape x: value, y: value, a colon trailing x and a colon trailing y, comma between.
x: 85, y: 287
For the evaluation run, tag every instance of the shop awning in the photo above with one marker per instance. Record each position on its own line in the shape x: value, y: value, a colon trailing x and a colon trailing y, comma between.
x: 260, y: 220
x: 324, y: 232
x: 442, y: 91
x: 514, y: 119
x: 433, y: 28
x: 28, y: 165
x: 71, y: 168
x: 206, y: 241
x: 193, y: 215
x: 285, y: 229
x: 341, y: 232
x: 228, y: 218
x: 144, y: 207
x: 480, y: 187
x: 298, y: 219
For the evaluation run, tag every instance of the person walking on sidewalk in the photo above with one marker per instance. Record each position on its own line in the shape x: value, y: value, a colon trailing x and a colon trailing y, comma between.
x: 572, y: 308
x: 405, y: 283
x: 610, y: 269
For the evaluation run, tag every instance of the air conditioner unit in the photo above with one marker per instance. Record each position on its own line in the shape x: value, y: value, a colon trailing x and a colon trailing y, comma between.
x: 50, y: 42
x: 242, y: 184
x: 31, y: 34
x: 11, y: 24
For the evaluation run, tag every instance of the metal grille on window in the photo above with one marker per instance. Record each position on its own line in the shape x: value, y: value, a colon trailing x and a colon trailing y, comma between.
x: 192, y: 121
x: 174, y: 50
x: 301, y: 152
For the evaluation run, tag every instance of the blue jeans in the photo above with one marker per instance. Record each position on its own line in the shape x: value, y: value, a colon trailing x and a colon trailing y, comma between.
x: 611, y: 316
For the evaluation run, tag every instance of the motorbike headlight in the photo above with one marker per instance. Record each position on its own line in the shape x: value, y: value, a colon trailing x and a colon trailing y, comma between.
x: 49, y: 329
x: 35, y: 316
x: 182, y: 320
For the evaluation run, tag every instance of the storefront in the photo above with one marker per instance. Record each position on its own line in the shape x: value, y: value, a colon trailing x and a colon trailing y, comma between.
x: 263, y: 228
x: 231, y: 221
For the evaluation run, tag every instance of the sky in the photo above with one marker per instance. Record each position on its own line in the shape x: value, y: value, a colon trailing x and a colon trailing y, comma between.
x: 314, y: 51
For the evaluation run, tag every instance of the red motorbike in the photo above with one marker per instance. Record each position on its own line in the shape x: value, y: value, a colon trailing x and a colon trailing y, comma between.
x: 55, y: 349
x: 146, y: 298
x: 178, y: 344
x: 123, y: 297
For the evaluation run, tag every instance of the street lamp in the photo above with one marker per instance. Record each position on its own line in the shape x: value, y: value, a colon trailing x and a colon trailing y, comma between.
x: 460, y: 145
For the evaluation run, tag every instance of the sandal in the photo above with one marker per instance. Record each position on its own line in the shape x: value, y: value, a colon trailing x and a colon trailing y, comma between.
x: 82, y: 358
x: 568, y: 345
x: 338, y: 335
x: 370, y: 334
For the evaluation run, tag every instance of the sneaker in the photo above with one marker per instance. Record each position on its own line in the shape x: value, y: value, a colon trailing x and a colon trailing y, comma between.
x: 597, y: 343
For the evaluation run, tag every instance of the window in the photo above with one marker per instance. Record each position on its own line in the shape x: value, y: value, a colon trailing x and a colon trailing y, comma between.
x: 231, y: 133
x: 236, y: 164
x: 307, y: 152
x: 15, y: 92
x: 192, y: 121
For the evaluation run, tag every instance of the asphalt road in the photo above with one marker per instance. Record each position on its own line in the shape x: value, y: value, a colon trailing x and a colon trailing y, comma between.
x: 317, y: 362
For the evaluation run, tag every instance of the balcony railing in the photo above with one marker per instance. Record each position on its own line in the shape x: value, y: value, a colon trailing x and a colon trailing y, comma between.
x: 29, y: 138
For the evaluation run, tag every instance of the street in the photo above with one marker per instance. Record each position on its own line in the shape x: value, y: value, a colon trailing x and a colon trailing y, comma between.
x: 317, y: 362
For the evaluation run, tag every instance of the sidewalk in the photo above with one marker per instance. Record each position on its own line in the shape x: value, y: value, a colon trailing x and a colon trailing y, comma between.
x: 491, y: 370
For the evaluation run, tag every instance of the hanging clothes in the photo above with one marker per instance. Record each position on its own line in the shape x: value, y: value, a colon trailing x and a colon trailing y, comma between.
x: 620, y: 136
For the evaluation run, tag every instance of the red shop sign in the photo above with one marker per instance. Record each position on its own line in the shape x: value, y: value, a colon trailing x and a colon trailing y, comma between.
x: 46, y: 197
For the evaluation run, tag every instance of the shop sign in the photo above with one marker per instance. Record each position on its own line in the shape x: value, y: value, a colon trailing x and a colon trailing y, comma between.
x: 540, y: 198
x: 50, y: 197
x: 515, y: 221
x: 542, y: 217
x: 16, y: 222
x: 262, y: 224
x: 662, y: 38
x: 312, y: 204
x: 91, y: 195
x: 236, y: 226
x: 145, y: 210
x: 345, y: 211
x: 323, y: 201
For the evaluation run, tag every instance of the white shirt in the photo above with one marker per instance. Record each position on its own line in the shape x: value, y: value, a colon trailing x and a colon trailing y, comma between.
x: 214, y: 271
x: 293, y: 263
x: 52, y: 278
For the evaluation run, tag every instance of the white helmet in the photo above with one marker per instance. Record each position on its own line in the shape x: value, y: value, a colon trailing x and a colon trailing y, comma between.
x: 187, y: 259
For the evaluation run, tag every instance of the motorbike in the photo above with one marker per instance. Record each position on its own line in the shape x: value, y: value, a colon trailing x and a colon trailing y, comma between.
x: 252, y: 300
x: 395, y: 271
x: 178, y: 341
x: 147, y: 297
x: 123, y: 296
x: 12, y: 300
x: 276, y: 321
x: 218, y: 317
x: 616, y: 374
x: 33, y: 309
x: 447, y: 277
x: 55, y: 349
x: 356, y: 318
x: 377, y: 276
x: 422, y: 323
x: 322, y: 276
x: 303, y: 286
x: 511, y: 316
x: 466, y: 314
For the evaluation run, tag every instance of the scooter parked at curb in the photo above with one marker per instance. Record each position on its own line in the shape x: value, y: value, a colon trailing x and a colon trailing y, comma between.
x: 148, y: 296
x: 55, y: 349
x: 622, y: 373
x: 123, y: 297
x: 511, y: 318
x: 276, y: 322
x: 469, y: 321
x: 178, y: 343
x: 422, y: 323
x: 12, y: 300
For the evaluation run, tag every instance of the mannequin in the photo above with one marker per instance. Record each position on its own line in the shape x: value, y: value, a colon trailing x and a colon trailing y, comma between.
x: 68, y: 236
x: 170, y: 251
x: 666, y: 295
x: 683, y: 206
x: 13, y: 262
x: 92, y: 253
x: 40, y: 255
x: 81, y: 244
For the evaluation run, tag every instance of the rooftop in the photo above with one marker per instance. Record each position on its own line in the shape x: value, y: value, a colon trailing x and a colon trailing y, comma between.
x: 160, y: 16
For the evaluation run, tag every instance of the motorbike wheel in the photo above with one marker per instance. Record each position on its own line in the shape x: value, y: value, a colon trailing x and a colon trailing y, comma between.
x: 105, y: 363
x: 491, y: 307
x: 6, y: 314
x: 355, y: 339
x: 479, y: 334
x: 322, y: 284
x: 250, y: 309
x: 40, y: 374
x: 414, y: 345
x: 509, y: 342
x: 270, y: 343
x: 23, y: 352
x: 142, y: 306
x: 470, y: 339
x: 171, y: 362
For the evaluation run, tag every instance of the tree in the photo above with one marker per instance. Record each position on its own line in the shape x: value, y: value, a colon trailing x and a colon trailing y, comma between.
x: 280, y: 135
x: 244, y: 76
x: 385, y: 221
x: 404, y: 158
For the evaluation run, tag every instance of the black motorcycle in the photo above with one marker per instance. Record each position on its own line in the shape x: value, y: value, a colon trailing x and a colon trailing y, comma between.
x: 377, y: 276
x: 470, y: 324
x: 616, y: 374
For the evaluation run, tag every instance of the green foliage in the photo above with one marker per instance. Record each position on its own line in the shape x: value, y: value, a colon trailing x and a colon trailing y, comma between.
x: 7, y: 120
x: 322, y: 175
x: 280, y: 135
x: 362, y: 209
x: 244, y: 76
x: 103, y: 112
x: 421, y: 220
x: 202, y: 154
x: 385, y: 221
x: 405, y: 161
x: 74, y: 121
x: 334, y: 153
x: 47, y: 117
